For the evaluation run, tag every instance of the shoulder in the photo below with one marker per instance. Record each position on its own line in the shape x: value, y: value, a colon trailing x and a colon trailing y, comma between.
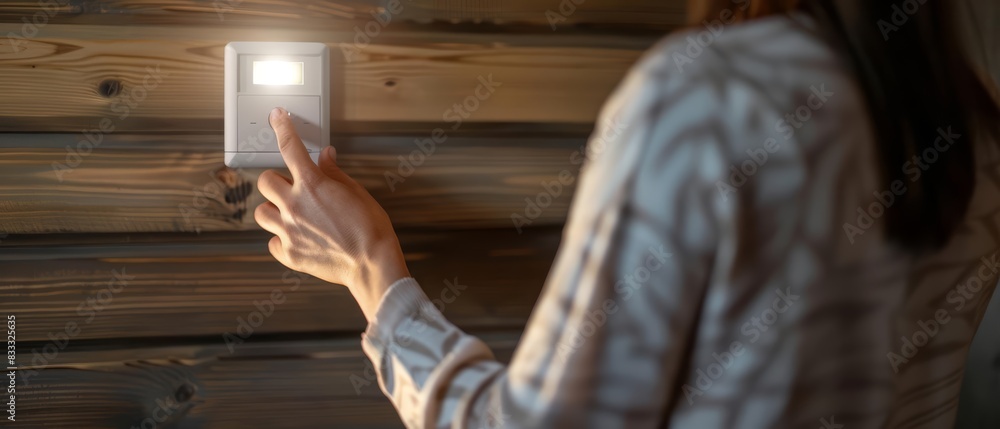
x: 743, y: 84
x: 706, y: 102
x: 717, y: 82
x: 766, y: 62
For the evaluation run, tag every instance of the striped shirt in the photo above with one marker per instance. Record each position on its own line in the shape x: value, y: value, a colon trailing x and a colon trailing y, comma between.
x: 723, y: 266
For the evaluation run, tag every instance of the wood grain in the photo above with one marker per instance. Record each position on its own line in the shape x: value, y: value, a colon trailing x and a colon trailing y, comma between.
x: 286, y: 384
x: 486, y: 15
x: 174, y: 285
x: 133, y: 183
x: 156, y: 189
x: 70, y: 77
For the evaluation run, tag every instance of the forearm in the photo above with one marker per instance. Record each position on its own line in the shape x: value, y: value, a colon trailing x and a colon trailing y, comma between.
x: 431, y: 371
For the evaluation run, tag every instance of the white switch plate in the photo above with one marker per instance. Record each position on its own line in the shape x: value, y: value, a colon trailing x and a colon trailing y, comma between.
x: 250, y: 141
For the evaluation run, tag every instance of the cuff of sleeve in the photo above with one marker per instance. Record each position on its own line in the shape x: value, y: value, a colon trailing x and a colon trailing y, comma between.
x: 403, y: 299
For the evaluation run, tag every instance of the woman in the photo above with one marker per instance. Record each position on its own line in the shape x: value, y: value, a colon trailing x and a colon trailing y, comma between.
x: 790, y: 218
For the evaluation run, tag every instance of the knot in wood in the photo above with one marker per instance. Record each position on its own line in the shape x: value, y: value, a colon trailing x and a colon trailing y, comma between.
x: 110, y: 88
x: 184, y: 392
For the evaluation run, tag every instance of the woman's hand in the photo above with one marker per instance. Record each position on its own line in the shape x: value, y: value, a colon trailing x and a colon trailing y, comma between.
x: 326, y: 224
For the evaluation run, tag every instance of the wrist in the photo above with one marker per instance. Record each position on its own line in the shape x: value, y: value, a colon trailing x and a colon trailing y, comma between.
x: 386, y: 266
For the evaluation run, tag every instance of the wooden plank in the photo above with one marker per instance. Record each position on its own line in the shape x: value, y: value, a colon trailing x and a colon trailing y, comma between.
x: 174, y: 285
x: 133, y: 183
x: 287, y: 384
x: 620, y: 15
x: 71, y: 77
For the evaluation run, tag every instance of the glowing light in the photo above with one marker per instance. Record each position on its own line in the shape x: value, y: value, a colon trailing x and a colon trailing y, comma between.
x: 277, y: 73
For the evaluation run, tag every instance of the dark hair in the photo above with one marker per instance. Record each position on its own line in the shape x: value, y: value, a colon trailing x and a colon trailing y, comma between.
x: 917, y: 80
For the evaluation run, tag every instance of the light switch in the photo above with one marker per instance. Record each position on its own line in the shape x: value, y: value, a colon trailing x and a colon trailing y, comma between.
x: 255, y: 133
x: 263, y: 75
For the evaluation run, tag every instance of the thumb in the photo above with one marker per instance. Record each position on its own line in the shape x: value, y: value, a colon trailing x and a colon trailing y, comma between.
x: 328, y: 162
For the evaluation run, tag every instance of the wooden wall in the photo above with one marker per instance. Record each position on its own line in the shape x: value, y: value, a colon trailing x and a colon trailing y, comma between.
x: 144, y: 242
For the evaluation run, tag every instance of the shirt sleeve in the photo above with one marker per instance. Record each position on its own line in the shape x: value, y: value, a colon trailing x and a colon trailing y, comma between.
x: 606, y: 344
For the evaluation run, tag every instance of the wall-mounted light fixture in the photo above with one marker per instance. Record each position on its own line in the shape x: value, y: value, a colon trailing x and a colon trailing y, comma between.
x: 263, y: 75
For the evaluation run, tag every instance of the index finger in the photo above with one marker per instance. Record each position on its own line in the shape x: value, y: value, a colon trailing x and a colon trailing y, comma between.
x: 292, y: 150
